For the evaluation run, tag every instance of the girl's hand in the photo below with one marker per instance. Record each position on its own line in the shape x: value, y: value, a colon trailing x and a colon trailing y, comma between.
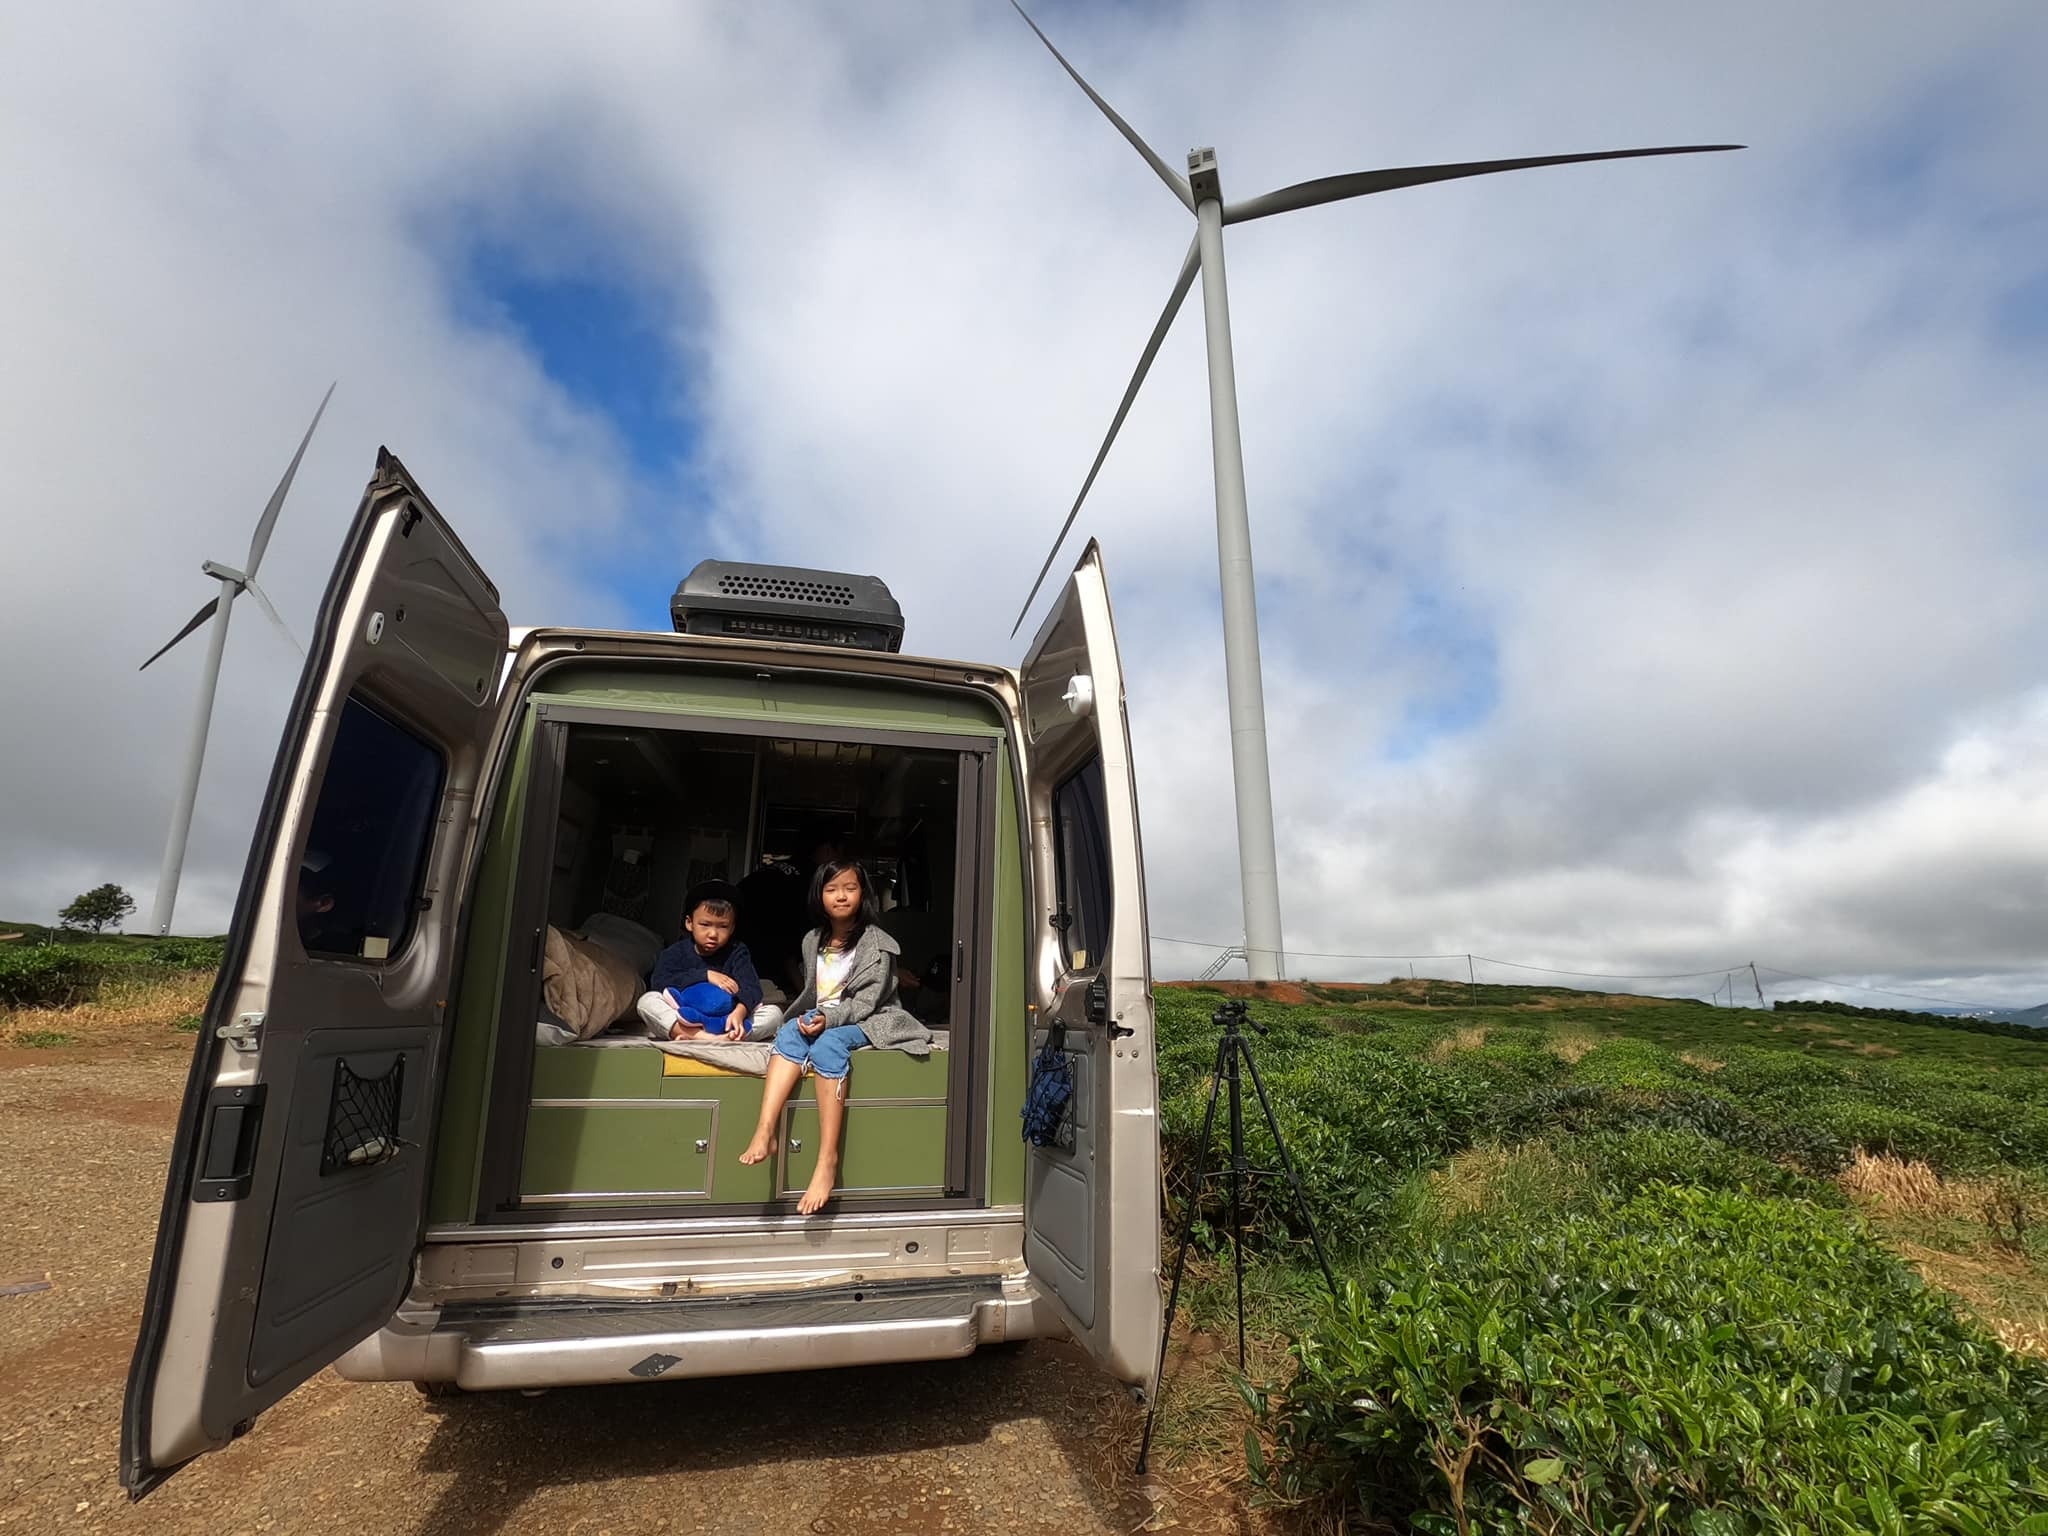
x: 811, y: 1025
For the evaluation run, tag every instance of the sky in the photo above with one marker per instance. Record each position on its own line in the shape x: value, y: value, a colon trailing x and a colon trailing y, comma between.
x: 1650, y: 555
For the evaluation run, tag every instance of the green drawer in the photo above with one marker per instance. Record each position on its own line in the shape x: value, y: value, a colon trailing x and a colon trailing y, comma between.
x: 894, y: 1148
x: 642, y: 1151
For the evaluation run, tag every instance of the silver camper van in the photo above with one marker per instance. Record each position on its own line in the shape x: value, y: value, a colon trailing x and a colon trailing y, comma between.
x: 400, y: 1158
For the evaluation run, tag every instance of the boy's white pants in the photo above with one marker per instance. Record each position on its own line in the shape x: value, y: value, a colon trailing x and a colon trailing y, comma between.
x: 658, y: 1012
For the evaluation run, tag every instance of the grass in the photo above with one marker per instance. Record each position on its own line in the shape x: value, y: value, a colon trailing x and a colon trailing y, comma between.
x: 121, y: 1006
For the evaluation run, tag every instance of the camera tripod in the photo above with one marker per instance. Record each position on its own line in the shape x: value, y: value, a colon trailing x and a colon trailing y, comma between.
x: 1233, y: 1052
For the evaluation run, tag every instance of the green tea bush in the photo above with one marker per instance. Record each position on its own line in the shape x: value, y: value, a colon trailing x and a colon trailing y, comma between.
x: 187, y: 954
x: 46, y: 976
x: 1626, y: 1163
x: 1636, y: 1065
x: 1884, y: 1128
x: 1685, y: 1360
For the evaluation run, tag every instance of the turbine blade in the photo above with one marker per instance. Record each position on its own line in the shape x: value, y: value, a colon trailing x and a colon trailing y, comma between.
x: 263, y: 601
x: 191, y: 624
x: 269, y: 518
x: 1180, y: 292
x: 1332, y: 189
x: 1176, y: 183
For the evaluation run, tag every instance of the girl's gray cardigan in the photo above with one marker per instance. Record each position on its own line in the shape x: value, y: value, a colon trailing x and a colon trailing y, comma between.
x: 869, y: 996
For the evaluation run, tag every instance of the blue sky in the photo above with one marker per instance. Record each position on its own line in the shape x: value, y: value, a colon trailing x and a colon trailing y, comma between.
x: 1649, y: 554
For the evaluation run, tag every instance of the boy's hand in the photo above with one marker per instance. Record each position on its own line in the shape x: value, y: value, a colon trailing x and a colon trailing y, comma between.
x: 735, y: 1026
x: 720, y: 979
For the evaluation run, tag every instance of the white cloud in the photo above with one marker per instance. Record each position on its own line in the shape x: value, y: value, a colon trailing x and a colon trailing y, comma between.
x: 1725, y: 463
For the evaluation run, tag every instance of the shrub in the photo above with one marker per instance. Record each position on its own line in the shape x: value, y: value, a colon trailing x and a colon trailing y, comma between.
x: 1627, y: 1163
x: 1636, y: 1065
x: 1684, y: 1361
x: 187, y: 954
x: 1886, y: 1128
x: 47, y: 976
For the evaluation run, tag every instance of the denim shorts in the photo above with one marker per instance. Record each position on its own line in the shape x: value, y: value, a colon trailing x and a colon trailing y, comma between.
x: 828, y: 1054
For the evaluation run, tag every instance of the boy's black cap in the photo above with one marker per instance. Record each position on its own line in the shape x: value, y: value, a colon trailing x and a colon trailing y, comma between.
x: 710, y: 890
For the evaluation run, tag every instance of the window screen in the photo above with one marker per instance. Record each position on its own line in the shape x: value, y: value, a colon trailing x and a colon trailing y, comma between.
x: 360, y: 879
x: 1080, y: 830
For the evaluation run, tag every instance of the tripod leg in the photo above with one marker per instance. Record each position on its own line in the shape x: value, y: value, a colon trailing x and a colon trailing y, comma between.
x: 1286, y: 1162
x: 1180, y: 1261
x: 1237, y: 1175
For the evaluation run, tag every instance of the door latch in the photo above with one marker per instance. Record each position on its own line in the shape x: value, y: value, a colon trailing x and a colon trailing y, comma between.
x: 1098, y: 1009
x: 244, y: 1034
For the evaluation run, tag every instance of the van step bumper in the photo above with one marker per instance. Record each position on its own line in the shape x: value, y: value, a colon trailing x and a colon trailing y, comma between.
x: 559, y: 1343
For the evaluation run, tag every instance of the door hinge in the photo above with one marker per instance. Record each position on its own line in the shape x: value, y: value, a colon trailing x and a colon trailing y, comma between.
x: 244, y: 1034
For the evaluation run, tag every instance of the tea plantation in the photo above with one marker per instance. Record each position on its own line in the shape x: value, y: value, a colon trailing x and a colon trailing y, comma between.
x: 1631, y: 1265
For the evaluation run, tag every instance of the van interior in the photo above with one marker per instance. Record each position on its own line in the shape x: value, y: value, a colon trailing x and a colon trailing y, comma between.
x: 633, y: 816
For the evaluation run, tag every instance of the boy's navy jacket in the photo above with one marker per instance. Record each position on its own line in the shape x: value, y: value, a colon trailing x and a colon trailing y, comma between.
x: 681, y: 966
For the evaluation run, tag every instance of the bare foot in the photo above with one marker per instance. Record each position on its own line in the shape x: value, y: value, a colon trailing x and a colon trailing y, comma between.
x: 820, y: 1188
x: 760, y: 1149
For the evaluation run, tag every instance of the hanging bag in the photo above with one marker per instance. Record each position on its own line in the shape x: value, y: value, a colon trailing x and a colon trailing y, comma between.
x: 1049, y: 1098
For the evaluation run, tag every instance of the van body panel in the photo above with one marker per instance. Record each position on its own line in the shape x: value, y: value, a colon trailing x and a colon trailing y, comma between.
x: 1091, y: 1204
x: 480, y: 996
x: 859, y: 702
x: 1012, y: 1023
x: 296, y: 1190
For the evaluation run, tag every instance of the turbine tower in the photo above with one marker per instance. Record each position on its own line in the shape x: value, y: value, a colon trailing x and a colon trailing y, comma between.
x: 217, y: 608
x: 1201, y: 192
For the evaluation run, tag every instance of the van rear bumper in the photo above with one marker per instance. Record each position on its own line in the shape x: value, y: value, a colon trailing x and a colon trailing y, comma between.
x: 561, y: 1343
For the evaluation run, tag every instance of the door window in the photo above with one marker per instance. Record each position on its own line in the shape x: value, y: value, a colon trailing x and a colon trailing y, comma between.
x: 1080, y: 824
x: 359, y: 882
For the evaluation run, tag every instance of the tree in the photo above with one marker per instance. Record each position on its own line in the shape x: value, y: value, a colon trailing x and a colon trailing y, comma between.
x: 101, y: 905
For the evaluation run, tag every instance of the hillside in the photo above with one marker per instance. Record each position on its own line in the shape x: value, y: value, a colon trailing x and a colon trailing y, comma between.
x: 1608, y: 1262
x: 1624, y: 1263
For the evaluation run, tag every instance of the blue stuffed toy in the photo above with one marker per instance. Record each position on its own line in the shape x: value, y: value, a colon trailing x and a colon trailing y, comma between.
x: 704, y: 1004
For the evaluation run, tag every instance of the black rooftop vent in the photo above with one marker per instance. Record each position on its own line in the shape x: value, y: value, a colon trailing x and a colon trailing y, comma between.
x: 787, y: 603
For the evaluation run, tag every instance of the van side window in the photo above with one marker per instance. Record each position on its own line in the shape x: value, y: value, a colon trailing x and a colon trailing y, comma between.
x: 1080, y: 831
x: 360, y: 878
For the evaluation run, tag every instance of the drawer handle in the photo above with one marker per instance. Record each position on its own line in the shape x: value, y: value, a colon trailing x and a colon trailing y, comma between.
x: 795, y: 1145
x: 703, y: 1145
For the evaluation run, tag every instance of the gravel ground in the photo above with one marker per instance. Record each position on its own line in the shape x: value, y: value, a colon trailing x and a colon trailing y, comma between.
x: 1028, y: 1440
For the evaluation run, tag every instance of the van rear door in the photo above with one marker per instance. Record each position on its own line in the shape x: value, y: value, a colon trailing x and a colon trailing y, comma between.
x: 1091, y: 1208
x: 298, y: 1177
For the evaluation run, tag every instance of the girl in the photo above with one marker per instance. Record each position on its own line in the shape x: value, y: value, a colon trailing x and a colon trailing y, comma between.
x: 848, y: 1001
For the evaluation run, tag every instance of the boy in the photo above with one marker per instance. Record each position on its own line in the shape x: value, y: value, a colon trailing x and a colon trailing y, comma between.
x: 703, y: 987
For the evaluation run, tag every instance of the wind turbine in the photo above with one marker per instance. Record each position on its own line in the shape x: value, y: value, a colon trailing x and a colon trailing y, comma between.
x: 1201, y: 193
x: 232, y: 584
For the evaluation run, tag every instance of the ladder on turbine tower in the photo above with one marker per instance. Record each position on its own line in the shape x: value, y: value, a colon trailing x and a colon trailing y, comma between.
x: 1216, y: 966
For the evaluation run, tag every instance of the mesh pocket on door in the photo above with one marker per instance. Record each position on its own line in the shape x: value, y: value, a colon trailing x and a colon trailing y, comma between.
x: 362, y: 1118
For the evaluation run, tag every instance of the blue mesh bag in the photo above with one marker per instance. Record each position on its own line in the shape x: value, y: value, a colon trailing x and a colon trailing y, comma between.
x: 1050, y: 1095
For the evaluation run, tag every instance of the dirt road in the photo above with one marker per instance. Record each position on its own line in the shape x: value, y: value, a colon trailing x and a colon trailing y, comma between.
x: 1030, y: 1440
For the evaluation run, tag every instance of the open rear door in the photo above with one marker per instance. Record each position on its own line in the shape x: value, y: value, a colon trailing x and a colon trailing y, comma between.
x: 298, y: 1178
x: 1091, y: 1210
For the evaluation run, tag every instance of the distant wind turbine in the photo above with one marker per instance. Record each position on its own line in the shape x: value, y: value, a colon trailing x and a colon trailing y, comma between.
x: 1201, y: 193
x: 232, y: 584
